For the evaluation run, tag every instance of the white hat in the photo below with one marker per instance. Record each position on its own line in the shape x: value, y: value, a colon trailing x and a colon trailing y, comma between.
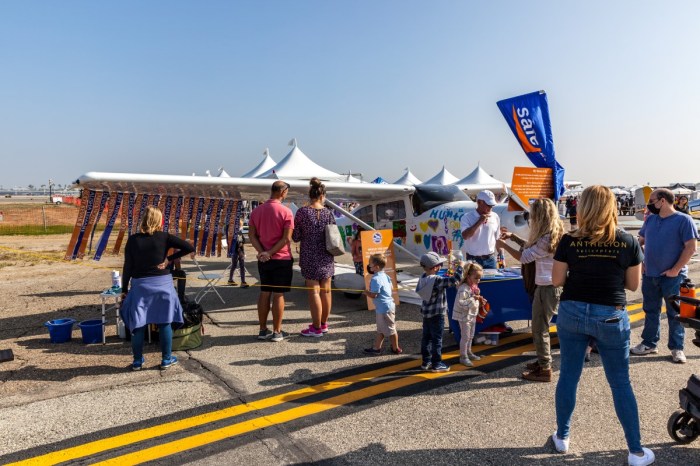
x: 488, y: 197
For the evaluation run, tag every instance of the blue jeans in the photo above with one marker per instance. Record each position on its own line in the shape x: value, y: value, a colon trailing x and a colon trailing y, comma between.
x: 431, y: 343
x: 654, y: 290
x: 489, y: 263
x: 165, y: 334
x: 577, y: 324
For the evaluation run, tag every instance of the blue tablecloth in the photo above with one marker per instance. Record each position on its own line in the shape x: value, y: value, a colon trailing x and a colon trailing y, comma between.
x: 507, y: 298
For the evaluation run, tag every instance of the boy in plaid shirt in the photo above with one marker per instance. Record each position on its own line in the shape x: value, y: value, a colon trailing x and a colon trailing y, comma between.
x: 432, y: 289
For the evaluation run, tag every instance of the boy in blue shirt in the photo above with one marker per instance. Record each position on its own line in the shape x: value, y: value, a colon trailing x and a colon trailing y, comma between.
x: 380, y: 290
x: 432, y: 289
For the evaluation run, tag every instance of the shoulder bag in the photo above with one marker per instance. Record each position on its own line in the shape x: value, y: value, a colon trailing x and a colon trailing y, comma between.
x: 334, y: 242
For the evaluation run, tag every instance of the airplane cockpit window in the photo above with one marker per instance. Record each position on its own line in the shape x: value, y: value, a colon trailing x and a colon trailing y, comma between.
x: 429, y: 197
x: 364, y: 214
x: 389, y: 211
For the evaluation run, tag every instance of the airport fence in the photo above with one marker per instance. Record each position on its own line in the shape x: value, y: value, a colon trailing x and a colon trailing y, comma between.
x: 38, y: 219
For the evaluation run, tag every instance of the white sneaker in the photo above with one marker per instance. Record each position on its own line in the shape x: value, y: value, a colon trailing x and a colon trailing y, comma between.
x: 641, y: 350
x: 678, y: 356
x: 474, y: 357
x: 648, y: 458
x: 562, y: 445
x: 465, y: 360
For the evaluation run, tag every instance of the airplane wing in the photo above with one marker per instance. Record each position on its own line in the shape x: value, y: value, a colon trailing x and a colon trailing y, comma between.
x: 233, y: 188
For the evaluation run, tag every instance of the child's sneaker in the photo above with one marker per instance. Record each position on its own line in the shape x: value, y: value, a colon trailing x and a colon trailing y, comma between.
x: 265, y: 334
x: 168, y: 362
x: 312, y: 331
x: 375, y: 352
x: 232, y: 283
x: 137, y: 365
x: 426, y: 366
x: 440, y: 367
x: 244, y: 285
x: 397, y: 350
x: 474, y: 357
x: 465, y: 360
x: 324, y: 328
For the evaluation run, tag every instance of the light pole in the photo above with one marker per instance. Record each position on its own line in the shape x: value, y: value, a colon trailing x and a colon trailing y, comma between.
x: 50, y: 193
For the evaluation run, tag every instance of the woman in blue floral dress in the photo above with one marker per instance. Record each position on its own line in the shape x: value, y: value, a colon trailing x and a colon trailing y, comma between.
x: 316, y: 262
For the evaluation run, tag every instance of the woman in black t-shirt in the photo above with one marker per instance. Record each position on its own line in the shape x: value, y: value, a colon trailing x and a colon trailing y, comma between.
x: 595, y: 264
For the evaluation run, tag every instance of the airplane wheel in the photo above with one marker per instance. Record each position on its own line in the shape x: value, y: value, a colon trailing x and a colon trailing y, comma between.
x: 682, y: 427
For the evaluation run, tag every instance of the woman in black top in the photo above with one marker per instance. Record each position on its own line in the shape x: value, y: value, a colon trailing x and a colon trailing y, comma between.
x: 151, y: 298
x: 595, y: 264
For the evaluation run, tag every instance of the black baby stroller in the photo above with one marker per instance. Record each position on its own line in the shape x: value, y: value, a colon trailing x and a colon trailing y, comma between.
x: 684, y: 423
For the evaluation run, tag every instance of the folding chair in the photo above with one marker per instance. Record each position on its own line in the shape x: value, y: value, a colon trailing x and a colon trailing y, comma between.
x: 211, y: 280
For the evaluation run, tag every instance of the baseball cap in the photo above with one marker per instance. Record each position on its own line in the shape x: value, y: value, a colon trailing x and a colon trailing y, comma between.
x: 431, y: 259
x: 488, y: 197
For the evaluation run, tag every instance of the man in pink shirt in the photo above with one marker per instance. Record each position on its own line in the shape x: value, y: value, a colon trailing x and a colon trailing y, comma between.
x: 270, y: 231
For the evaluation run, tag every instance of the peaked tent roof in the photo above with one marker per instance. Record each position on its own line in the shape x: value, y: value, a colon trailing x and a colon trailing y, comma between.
x: 262, y: 167
x: 443, y: 177
x: 296, y: 165
x: 408, y: 178
x: 223, y: 173
x: 479, y: 180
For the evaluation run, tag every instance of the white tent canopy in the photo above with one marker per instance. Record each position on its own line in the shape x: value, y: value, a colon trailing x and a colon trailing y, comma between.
x: 443, y: 177
x: 266, y: 164
x: 679, y: 190
x: 408, y: 178
x: 223, y: 173
x: 297, y: 165
x: 351, y: 179
x: 479, y: 180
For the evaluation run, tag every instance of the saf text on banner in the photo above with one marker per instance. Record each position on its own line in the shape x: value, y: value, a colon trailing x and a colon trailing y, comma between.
x: 528, y: 118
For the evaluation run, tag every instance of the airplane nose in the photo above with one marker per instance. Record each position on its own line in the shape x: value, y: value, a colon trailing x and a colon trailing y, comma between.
x: 520, y: 219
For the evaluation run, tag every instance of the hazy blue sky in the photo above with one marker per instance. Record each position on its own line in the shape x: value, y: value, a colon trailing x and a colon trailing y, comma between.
x: 371, y: 86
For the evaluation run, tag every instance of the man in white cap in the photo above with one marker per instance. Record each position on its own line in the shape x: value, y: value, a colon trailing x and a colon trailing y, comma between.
x: 480, y: 230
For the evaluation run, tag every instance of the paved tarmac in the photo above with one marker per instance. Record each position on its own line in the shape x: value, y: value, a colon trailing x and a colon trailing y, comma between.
x: 237, y: 400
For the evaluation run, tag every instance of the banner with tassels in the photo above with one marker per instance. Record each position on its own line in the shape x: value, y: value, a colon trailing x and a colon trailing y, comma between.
x: 204, y: 221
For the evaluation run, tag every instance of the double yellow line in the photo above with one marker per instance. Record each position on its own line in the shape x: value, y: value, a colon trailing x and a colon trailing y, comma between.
x: 264, y: 421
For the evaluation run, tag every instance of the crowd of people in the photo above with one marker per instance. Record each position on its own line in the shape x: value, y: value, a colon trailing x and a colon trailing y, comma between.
x: 580, y: 276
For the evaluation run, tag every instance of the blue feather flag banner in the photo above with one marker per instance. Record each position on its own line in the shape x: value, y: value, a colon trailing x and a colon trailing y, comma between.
x: 528, y: 118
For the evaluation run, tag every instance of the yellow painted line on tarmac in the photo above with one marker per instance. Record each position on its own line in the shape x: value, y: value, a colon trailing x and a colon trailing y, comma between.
x: 205, y: 438
x: 129, y: 438
x: 140, y: 435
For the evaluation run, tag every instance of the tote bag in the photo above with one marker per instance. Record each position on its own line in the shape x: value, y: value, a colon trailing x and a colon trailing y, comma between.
x: 334, y: 242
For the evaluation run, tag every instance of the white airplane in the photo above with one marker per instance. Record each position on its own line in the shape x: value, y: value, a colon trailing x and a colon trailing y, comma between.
x: 423, y: 218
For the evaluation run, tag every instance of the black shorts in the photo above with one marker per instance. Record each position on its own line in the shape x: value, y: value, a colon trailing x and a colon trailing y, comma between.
x: 275, y: 275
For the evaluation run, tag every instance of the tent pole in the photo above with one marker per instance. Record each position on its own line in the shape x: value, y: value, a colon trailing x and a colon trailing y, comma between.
x: 365, y: 226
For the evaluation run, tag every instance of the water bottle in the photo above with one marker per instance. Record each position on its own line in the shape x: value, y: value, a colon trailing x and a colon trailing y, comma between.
x: 116, y: 279
x: 121, y: 329
x: 501, y: 259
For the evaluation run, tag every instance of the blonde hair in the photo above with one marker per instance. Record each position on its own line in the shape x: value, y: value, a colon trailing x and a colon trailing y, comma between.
x: 597, y: 215
x: 151, y: 220
x: 378, y: 260
x: 544, y: 220
x: 472, y: 267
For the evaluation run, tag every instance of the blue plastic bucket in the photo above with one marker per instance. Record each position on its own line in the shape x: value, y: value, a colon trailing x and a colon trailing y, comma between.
x: 92, y: 331
x: 60, y: 330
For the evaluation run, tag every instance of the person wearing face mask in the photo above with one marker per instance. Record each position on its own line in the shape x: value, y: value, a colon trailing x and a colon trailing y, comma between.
x: 669, y: 239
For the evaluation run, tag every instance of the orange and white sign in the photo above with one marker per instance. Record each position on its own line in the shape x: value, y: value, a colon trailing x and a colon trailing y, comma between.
x: 530, y: 183
x: 379, y: 242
